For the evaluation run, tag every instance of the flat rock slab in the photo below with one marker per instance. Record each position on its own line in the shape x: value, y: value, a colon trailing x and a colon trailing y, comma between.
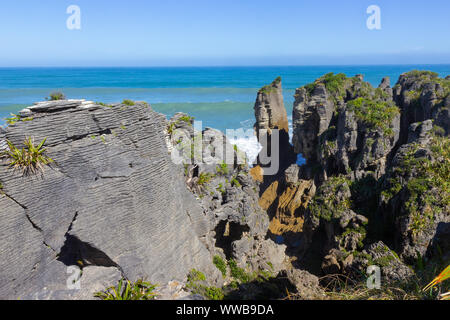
x: 112, y: 199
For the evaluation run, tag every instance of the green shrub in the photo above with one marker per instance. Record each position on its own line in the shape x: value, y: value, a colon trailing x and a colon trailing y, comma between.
x: 235, y: 183
x: 325, y: 204
x: 222, y: 169
x: 221, y: 265
x: 420, y: 73
x: 54, y: 96
x: 270, y: 87
x: 238, y: 273
x: 128, y: 102
x: 204, y: 178
x: 16, y: 118
x: 221, y: 189
x: 30, y: 159
x: 186, y: 119
x: 334, y: 83
x: 104, y: 104
x: 194, y: 284
x: 377, y: 115
x: 428, y: 183
x: 195, y: 275
x: 214, y: 293
x: 125, y: 290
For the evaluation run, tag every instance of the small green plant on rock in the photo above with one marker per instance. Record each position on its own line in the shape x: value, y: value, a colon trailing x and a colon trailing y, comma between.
x: 204, y: 178
x: 221, y: 189
x: 427, y: 185
x: 30, y: 159
x: 187, y: 119
x: 194, y: 284
x: 235, y: 183
x: 270, y: 87
x: 444, y: 275
x: 55, y: 96
x: 14, y: 118
x: 221, y: 265
x: 104, y: 104
x: 222, y: 169
x: 326, y: 204
x: 377, y: 115
x: 238, y: 273
x: 125, y: 290
x: 214, y: 293
x: 128, y: 102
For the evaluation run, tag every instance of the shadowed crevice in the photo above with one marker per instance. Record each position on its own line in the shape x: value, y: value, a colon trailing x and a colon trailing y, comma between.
x: 228, y: 232
x: 76, y: 252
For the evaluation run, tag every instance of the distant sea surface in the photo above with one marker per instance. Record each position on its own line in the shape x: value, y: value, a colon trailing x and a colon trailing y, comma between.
x: 221, y: 97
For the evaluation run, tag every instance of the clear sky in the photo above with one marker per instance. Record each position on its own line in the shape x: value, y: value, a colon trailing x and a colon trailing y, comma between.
x: 223, y: 32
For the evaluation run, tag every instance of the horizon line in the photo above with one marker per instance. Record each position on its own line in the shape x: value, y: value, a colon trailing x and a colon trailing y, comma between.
x: 225, y: 66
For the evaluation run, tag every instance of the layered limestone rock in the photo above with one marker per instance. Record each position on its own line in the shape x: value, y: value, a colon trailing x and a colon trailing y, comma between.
x: 312, y: 115
x: 111, y: 203
x: 330, y: 213
x: 218, y: 174
x: 269, y: 108
x: 423, y: 95
x: 393, y: 270
x: 379, y: 158
x: 286, y: 201
x: 270, y: 115
x: 284, y: 195
x: 415, y: 193
x: 345, y: 125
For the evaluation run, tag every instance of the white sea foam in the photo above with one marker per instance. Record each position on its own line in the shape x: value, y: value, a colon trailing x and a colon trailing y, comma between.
x: 250, y: 146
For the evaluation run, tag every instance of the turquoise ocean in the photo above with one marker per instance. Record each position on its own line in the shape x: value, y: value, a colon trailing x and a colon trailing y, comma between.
x: 221, y: 97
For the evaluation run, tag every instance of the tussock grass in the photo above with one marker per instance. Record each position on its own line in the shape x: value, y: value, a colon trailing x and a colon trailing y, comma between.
x: 55, y: 96
x: 128, y: 102
x: 30, y: 159
x: 126, y: 290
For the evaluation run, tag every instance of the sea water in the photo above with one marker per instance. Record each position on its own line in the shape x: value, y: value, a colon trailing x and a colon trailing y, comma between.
x: 220, y: 97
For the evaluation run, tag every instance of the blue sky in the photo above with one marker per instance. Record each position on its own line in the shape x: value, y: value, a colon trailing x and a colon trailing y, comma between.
x: 223, y: 32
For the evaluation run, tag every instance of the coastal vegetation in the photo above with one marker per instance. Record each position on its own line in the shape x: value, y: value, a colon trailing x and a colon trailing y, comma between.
x: 204, y: 178
x: 196, y: 284
x: 377, y: 115
x: 128, y: 102
x: 235, y: 277
x: 222, y: 169
x: 126, y: 290
x: 14, y: 118
x: 334, y: 83
x: 57, y: 95
x: 104, y: 104
x: 332, y: 199
x: 443, y: 276
x: 271, y: 87
x: 220, y: 264
x: 428, y: 182
x: 30, y: 159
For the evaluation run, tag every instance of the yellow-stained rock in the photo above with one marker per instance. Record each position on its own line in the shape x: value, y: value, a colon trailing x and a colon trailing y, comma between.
x: 257, y: 173
x: 286, y: 207
x: 269, y: 196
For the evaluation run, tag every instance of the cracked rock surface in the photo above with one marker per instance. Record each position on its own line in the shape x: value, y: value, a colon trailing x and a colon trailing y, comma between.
x: 111, y: 200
